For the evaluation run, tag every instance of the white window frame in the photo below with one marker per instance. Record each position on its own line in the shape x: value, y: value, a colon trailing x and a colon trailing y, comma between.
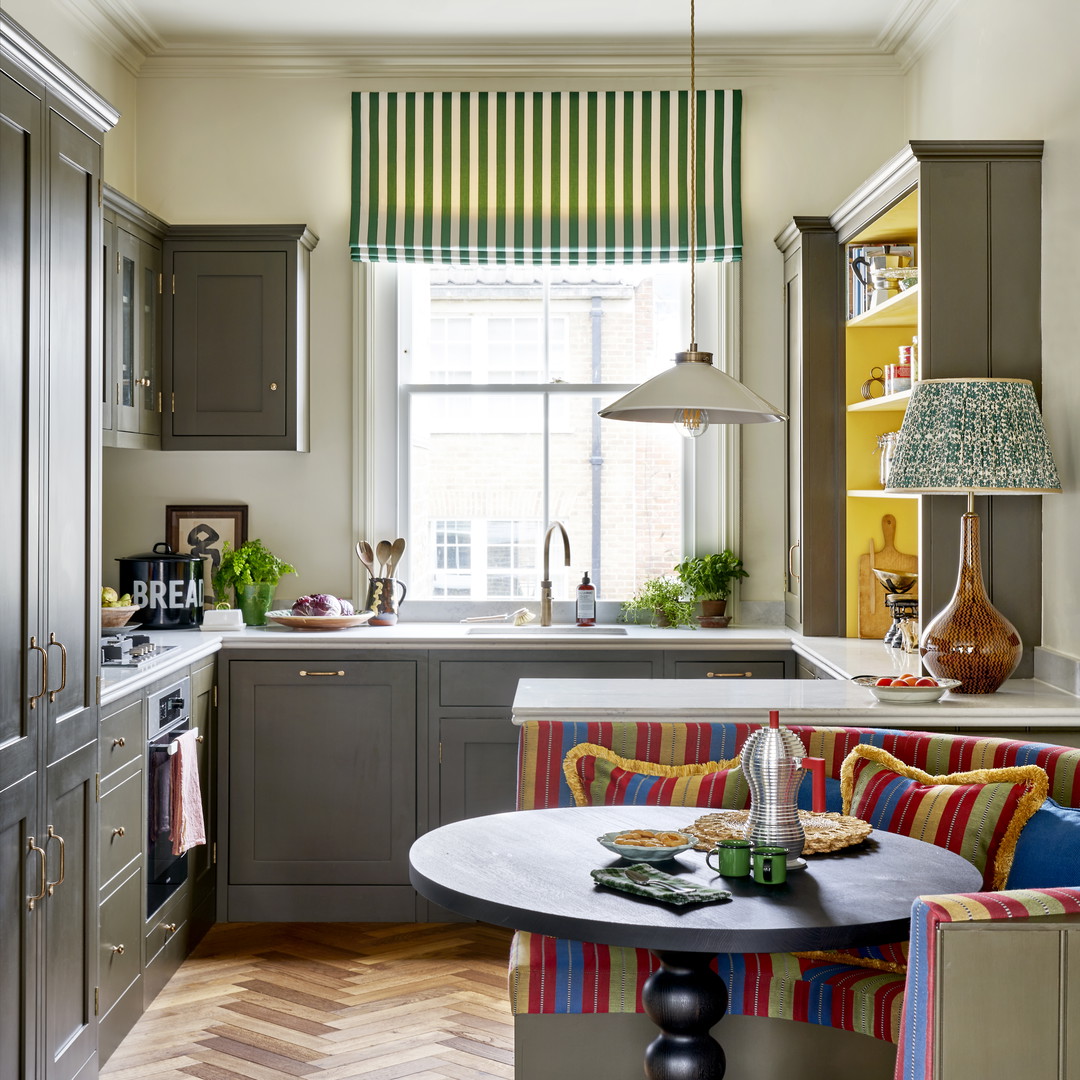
x: 711, y: 517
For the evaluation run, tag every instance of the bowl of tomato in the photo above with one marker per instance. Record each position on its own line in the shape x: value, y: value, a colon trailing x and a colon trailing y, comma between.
x: 906, y: 689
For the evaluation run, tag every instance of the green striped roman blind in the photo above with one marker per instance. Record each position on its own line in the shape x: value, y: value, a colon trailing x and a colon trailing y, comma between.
x: 551, y: 177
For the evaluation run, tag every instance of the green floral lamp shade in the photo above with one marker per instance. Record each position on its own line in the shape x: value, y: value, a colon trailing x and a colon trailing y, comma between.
x: 973, y: 435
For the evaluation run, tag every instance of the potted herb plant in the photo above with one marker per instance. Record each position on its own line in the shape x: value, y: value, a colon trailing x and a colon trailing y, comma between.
x: 664, y: 599
x: 709, y: 578
x: 252, y: 571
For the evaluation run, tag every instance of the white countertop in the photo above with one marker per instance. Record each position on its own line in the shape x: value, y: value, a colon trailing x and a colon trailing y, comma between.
x: 842, y: 657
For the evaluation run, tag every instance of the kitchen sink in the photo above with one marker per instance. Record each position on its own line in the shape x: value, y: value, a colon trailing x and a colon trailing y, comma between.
x: 531, y: 631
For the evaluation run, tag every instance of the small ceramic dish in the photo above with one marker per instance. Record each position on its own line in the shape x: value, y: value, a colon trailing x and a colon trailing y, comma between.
x: 905, y: 695
x: 636, y: 853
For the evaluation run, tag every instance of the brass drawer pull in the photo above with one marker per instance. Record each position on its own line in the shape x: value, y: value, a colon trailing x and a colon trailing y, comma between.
x: 729, y: 674
x: 31, y: 900
x: 51, y: 885
x: 790, y: 559
x: 44, y: 674
x: 118, y: 742
x: 316, y: 673
x: 118, y: 831
x: 118, y: 949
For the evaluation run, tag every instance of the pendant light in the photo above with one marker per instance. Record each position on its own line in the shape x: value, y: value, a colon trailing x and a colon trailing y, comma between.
x: 693, y: 394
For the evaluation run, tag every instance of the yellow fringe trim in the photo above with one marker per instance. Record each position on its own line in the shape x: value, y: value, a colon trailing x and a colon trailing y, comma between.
x: 831, y: 956
x: 645, y: 768
x: 1034, y: 776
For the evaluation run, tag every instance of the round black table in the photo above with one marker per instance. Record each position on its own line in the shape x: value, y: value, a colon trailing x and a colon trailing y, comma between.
x: 529, y: 870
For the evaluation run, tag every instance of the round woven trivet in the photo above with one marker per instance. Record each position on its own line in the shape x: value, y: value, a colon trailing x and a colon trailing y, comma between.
x: 824, y: 832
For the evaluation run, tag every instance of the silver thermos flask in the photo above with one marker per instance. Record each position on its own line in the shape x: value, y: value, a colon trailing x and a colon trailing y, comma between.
x: 774, y: 760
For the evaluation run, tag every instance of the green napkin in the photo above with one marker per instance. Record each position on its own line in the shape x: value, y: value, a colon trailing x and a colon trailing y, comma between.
x: 656, y: 885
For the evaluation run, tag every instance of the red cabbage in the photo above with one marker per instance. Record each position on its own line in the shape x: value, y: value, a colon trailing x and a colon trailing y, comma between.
x: 317, y: 604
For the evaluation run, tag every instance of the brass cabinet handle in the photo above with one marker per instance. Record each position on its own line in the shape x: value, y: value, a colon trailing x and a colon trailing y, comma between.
x: 44, y: 672
x: 118, y: 831
x: 63, y: 666
x: 316, y: 673
x: 790, y: 556
x: 118, y: 949
x: 169, y: 927
x: 273, y: 386
x: 119, y: 741
x: 31, y: 900
x: 200, y: 738
x: 50, y: 886
x: 729, y: 674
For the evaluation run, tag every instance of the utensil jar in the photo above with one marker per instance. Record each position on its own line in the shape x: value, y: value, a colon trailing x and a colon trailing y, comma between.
x: 382, y: 601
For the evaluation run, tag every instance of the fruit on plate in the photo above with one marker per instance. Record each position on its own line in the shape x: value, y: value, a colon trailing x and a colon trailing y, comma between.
x: 926, y: 681
x: 110, y: 598
x: 885, y: 680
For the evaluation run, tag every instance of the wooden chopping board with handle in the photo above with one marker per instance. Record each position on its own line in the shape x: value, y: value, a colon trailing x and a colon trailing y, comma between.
x: 874, y: 617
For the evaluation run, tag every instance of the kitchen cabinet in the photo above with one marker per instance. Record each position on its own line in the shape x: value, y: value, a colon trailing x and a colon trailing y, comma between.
x: 971, y: 210
x: 320, y: 787
x: 727, y: 665
x: 50, y: 352
x: 131, y: 383
x: 814, y: 486
x: 236, y: 337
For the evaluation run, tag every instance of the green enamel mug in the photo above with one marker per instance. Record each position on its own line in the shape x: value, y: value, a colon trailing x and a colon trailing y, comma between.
x: 732, y: 858
x: 768, y: 865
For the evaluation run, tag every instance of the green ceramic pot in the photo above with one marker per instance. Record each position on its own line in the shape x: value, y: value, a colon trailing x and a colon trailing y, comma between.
x: 254, y: 602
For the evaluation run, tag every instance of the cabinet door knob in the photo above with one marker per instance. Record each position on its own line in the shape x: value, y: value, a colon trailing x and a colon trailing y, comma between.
x: 119, y: 741
x: 200, y: 738
x: 273, y: 386
x: 169, y: 927
x: 32, y: 900
x: 118, y: 831
x: 118, y: 949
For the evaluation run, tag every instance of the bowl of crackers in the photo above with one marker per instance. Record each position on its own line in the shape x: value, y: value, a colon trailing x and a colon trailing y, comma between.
x: 646, y: 845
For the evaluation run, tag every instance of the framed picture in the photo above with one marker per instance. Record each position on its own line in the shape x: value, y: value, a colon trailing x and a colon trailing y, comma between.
x: 203, y: 531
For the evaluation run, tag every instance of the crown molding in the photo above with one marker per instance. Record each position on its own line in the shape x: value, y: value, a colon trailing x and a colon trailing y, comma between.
x: 914, y: 27
x: 586, y: 64
x: 117, y: 29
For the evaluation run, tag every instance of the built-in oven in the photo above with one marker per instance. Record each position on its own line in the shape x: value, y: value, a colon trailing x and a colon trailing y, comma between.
x: 169, y: 717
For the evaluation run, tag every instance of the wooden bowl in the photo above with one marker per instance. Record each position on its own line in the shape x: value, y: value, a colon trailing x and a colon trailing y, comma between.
x: 118, y: 616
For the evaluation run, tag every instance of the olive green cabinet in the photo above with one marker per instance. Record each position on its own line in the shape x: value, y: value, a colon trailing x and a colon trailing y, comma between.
x: 51, y: 130
x: 131, y: 400
x: 236, y: 337
x: 321, y: 787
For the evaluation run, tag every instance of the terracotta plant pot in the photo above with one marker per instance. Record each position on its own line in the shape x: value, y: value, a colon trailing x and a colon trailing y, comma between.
x: 712, y: 614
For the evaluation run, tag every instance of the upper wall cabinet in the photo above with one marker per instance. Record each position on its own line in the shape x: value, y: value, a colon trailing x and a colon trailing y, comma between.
x: 131, y: 386
x: 236, y: 337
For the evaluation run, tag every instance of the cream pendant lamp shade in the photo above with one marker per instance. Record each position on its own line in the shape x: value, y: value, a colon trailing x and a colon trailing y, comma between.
x: 972, y: 437
x: 693, y: 395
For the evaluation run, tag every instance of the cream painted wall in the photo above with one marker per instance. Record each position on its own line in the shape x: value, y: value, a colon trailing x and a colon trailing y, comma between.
x: 1002, y: 70
x: 52, y: 23
x: 277, y: 149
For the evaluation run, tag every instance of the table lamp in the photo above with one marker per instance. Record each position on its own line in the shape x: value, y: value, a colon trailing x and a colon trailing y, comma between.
x: 976, y: 437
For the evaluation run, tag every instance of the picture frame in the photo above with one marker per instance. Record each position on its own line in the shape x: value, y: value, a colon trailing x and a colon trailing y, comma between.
x: 203, y: 531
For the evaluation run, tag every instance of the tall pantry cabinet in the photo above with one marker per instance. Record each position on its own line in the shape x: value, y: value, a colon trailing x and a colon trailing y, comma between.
x: 51, y: 130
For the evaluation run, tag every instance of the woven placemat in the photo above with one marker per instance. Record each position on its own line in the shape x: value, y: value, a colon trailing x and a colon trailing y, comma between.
x: 824, y: 832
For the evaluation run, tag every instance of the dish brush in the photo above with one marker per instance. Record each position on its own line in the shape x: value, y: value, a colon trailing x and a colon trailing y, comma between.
x: 519, y: 618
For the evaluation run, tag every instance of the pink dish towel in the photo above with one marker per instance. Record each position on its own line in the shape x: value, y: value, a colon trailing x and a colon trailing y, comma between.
x: 188, y: 829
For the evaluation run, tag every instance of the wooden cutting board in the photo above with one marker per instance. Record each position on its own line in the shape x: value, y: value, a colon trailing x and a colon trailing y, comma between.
x: 874, y: 617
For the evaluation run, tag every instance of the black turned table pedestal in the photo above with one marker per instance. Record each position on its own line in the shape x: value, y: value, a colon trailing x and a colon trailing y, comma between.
x: 529, y: 870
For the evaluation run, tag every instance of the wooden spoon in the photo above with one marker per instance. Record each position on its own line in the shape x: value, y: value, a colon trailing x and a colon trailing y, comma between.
x: 397, y: 549
x: 383, y: 551
x: 366, y: 557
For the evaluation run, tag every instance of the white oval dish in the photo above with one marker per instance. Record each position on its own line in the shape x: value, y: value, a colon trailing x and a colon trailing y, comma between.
x: 319, y: 622
x: 643, y: 854
x: 905, y: 695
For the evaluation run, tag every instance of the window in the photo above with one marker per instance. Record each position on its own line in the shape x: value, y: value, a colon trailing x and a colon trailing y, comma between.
x: 485, y: 428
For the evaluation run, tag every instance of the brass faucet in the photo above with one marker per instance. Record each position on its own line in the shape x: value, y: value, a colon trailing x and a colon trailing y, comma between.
x: 545, y: 585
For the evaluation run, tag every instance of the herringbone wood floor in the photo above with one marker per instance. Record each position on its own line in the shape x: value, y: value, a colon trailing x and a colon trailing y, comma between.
x: 330, y: 1001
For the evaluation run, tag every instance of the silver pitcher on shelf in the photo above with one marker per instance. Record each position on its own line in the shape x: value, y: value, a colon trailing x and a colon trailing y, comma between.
x: 774, y: 761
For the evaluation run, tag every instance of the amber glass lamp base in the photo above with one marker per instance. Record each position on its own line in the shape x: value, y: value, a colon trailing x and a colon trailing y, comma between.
x: 970, y: 639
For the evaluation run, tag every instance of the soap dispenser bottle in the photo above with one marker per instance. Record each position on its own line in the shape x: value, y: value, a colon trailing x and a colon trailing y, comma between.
x: 586, y: 602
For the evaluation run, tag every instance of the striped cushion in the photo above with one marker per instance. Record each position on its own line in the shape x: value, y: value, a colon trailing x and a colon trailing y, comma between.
x: 554, y: 975
x: 600, y: 777
x: 976, y: 814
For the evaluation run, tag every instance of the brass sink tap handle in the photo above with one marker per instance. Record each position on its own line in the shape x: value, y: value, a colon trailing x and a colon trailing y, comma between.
x: 545, y: 584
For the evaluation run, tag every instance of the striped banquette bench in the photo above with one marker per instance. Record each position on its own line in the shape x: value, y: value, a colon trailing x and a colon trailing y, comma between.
x: 575, y: 1003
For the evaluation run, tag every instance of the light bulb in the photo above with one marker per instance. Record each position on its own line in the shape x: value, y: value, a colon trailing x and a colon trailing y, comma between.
x: 690, y: 423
